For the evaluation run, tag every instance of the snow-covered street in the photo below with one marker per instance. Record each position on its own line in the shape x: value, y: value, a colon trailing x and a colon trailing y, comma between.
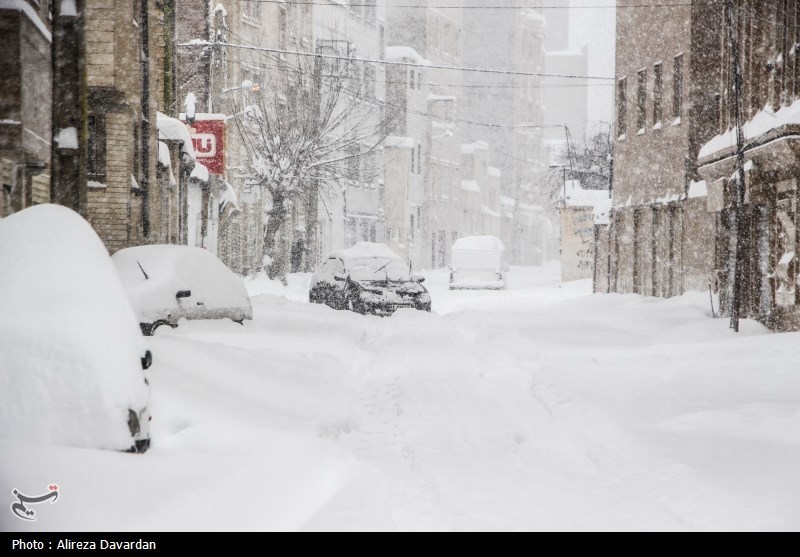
x: 542, y: 407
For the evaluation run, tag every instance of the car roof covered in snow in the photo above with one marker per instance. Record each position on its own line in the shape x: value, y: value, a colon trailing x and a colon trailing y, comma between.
x: 483, y: 243
x: 366, y: 250
x: 171, y: 268
x: 71, y: 346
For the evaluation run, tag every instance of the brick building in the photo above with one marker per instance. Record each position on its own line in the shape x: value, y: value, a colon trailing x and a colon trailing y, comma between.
x: 661, y: 238
x: 768, y: 34
x: 25, y: 105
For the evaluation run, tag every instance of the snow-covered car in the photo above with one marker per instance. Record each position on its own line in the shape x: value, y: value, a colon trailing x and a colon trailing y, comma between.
x: 478, y: 263
x: 368, y: 278
x: 165, y: 283
x: 72, y: 357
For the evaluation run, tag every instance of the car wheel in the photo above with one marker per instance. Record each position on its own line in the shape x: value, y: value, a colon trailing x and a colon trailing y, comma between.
x: 150, y: 329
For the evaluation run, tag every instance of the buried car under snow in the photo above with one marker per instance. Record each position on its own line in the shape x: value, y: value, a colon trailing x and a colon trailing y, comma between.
x: 478, y: 263
x: 165, y: 283
x: 368, y: 278
x: 72, y: 358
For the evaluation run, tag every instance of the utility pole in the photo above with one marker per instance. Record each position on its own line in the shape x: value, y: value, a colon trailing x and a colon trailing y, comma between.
x: 69, y: 103
x: 736, y: 256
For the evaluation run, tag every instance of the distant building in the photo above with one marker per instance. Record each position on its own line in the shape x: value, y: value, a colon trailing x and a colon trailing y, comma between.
x: 581, y: 211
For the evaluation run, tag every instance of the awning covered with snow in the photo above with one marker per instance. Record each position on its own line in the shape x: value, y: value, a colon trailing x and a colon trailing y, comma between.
x: 172, y: 129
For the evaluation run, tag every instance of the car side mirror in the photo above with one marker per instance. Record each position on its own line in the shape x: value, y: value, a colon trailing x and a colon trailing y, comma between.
x: 340, y: 277
x: 183, y: 294
x: 419, y: 279
x: 147, y: 360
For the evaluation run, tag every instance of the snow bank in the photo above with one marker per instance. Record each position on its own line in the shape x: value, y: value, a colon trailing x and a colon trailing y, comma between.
x: 71, y: 348
x: 172, y: 129
x: 761, y: 124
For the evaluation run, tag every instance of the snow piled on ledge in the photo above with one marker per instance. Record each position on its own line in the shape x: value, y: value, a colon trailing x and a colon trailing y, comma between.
x: 761, y: 124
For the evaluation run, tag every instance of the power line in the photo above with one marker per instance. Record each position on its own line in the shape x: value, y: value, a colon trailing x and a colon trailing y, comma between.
x: 201, y: 43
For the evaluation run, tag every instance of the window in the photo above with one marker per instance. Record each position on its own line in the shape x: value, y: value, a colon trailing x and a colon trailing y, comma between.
x: 622, y: 107
x: 383, y: 43
x: 641, y: 101
x: 373, y: 232
x: 677, y: 88
x: 411, y: 79
x: 411, y: 228
x: 419, y: 159
x: 252, y: 11
x: 658, y: 93
x: 96, y: 146
x: 369, y: 10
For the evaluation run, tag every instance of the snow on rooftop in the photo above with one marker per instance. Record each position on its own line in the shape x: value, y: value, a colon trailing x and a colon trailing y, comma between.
x: 761, y: 124
x: 172, y: 129
x: 28, y: 10
x: 494, y: 171
x: 366, y: 250
x: 471, y: 186
x: 405, y: 53
x: 399, y: 142
x: 507, y: 201
x: 482, y: 243
x: 573, y: 195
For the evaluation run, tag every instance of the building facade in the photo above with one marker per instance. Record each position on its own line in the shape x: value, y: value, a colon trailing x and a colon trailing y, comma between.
x: 25, y: 105
x: 660, y: 241
x: 767, y: 34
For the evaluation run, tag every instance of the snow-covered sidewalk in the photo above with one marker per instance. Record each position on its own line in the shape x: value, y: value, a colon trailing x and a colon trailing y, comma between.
x: 538, y: 408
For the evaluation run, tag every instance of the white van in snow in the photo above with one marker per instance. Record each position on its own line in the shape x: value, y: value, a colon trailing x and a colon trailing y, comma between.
x: 478, y: 263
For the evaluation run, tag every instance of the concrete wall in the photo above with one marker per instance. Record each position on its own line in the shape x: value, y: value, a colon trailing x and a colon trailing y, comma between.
x: 577, y: 243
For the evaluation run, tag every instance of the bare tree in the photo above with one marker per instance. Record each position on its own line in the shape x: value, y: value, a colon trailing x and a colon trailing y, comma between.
x: 588, y: 162
x: 311, y: 123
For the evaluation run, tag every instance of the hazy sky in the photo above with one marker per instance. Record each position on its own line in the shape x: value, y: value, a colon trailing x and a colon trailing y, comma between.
x: 595, y: 28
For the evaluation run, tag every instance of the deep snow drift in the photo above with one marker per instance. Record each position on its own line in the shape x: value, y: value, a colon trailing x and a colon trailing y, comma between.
x: 537, y: 408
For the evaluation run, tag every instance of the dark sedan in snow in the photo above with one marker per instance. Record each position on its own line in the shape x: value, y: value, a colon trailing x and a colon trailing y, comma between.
x: 368, y: 278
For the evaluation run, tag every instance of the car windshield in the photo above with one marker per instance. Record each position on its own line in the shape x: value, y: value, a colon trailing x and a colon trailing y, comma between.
x: 379, y: 269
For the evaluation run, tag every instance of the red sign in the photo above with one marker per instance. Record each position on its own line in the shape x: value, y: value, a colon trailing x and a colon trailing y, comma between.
x: 208, y: 139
